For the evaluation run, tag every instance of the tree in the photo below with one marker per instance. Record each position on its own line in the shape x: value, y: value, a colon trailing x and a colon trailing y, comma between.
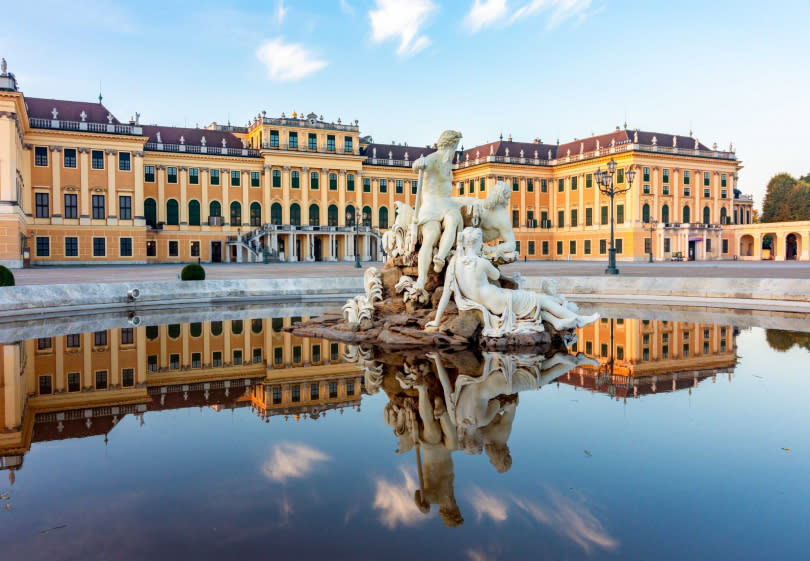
x: 786, y: 199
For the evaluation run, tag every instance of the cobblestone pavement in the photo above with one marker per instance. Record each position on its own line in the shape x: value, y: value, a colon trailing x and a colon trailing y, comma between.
x: 121, y: 273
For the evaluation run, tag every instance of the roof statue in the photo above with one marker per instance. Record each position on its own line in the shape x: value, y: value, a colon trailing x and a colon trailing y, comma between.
x: 202, y: 141
x: 674, y: 141
x: 635, y: 137
x: 55, y: 113
x: 3, y: 66
x: 109, y: 118
x: 157, y: 137
x: 83, y: 116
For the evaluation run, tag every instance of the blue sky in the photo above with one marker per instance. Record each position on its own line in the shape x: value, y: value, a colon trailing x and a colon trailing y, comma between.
x: 729, y: 71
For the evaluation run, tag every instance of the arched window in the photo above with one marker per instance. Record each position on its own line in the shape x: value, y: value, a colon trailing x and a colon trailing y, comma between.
x: 645, y: 213
x: 255, y: 214
x: 214, y: 208
x: 150, y: 211
x: 314, y: 215
x: 383, y: 224
x: 152, y: 332
x: 256, y: 326
x: 332, y: 215
x: 195, y: 329
x: 687, y: 215
x: 216, y: 328
x: 350, y: 215
x: 295, y: 214
x: 665, y: 214
x: 707, y: 215
x: 236, y: 214
x: 236, y: 326
x: 174, y: 330
x: 723, y: 216
x: 275, y: 214
x: 367, y: 216
x: 194, y: 213
x: 172, y: 212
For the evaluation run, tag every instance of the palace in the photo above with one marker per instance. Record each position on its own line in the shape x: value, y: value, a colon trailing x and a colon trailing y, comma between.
x: 80, y: 186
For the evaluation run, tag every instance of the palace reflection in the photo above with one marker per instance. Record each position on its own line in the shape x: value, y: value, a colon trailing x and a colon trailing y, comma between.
x: 82, y: 384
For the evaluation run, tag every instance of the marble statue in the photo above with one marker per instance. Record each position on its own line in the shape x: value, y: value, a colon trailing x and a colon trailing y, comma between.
x: 504, y: 310
x: 436, y: 220
x: 361, y: 308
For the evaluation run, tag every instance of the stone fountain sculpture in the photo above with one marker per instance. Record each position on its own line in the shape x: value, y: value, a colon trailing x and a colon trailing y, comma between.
x: 441, y: 285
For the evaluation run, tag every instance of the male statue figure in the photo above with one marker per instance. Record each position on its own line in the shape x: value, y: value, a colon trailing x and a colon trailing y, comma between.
x: 436, y: 216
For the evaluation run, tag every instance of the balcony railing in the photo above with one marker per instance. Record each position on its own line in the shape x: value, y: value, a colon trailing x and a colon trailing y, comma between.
x: 289, y: 122
x: 191, y: 149
x: 215, y: 221
x: 108, y: 128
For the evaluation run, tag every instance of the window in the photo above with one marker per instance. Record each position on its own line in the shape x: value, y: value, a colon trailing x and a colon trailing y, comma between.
x: 645, y: 174
x: 293, y: 141
x: 383, y: 186
x: 216, y: 358
x: 333, y: 390
x: 124, y: 163
x: 515, y: 184
x: 574, y: 217
x: 193, y: 176
x: 125, y: 247
x: 278, y: 356
x: 71, y: 205
x: 619, y: 245
x: 276, y: 178
x: 127, y: 377
x: 350, y: 182
x: 517, y: 247
x: 295, y: 179
x: 45, y: 385
x: 587, y: 247
x: 665, y: 175
x: 312, y: 141
x: 602, y: 247
x: 237, y: 326
x: 544, y: 186
x: 41, y: 156
x: 273, y: 139
x: 333, y: 182
x: 194, y: 248
x: 604, y: 215
x: 706, y: 179
x: 515, y: 218
x: 603, y: 350
x: 70, y: 158
x: 544, y: 247
x: 572, y: 247
x: 560, y: 218
x: 725, y: 246
x: 174, y: 361
x: 125, y: 207
x: 71, y: 247
x: 313, y: 391
x: 619, y: 214
x: 236, y: 214
x: 101, y: 379
x: 100, y: 338
x: 152, y: 363
x: 482, y: 184
x: 647, y: 245
x: 44, y: 343
x: 620, y: 175
x: 334, y: 351
x: 366, y: 185
x: 214, y: 175
x: 173, y: 248
x: 687, y: 177
x: 73, y: 341
x: 236, y: 180
x: 414, y: 185
x: 589, y: 216
x: 276, y: 395
x: 314, y: 179
x: 297, y: 354
x: 560, y: 185
x: 43, y: 246
x: 98, y: 207
x: 687, y: 215
x: 127, y: 336
x: 349, y: 387
x: 665, y: 189
x: 330, y: 142
x: 667, y: 245
x: 531, y: 247
x: 723, y: 180
x: 255, y: 180
x: 574, y: 183
x: 172, y: 212
x: 74, y: 383
x: 97, y: 159
x: 559, y: 247
x: 347, y: 144
x: 42, y: 205
x: 399, y: 186
x: 257, y: 355
x: 149, y: 173
x: 295, y: 392
x: 151, y: 248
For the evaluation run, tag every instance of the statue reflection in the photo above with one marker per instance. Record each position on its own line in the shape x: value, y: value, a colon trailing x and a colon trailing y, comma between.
x: 440, y: 403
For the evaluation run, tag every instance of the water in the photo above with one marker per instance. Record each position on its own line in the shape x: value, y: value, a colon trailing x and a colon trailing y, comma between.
x: 674, y: 440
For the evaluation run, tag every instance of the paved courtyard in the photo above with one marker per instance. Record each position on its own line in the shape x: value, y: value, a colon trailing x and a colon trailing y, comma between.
x: 121, y: 273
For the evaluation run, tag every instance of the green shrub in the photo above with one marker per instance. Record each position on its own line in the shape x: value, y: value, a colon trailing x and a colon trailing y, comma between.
x: 6, y: 277
x: 192, y: 272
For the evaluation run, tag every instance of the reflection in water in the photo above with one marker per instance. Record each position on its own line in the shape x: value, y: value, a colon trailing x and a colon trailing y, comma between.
x: 395, y: 500
x: 782, y: 341
x: 440, y: 403
x: 291, y: 460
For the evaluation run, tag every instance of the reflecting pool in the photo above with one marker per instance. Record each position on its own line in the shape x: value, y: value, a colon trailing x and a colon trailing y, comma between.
x: 222, y: 436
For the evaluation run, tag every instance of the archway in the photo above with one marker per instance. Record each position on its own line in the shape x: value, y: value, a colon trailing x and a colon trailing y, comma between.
x: 747, y: 246
x: 769, y: 245
x: 792, y: 247
x: 317, y: 249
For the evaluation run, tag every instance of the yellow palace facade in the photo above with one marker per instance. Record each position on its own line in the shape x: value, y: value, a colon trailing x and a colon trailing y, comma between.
x: 79, y: 186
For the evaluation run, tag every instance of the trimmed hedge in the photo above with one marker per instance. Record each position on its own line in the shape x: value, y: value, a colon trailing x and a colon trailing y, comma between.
x: 192, y: 272
x: 6, y: 276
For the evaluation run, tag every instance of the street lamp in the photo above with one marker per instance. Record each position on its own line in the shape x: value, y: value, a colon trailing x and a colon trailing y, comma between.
x: 653, y: 226
x: 350, y: 216
x: 604, y: 179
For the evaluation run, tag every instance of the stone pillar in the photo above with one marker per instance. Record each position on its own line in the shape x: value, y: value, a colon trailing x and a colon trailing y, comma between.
x: 305, y: 196
x: 324, y: 217
x: 115, y: 372
x: 224, y: 180
x: 245, y: 198
x: 59, y: 350
x: 780, y: 245
x: 285, y: 198
x: 757, y: 246
x: 140, y: 346
x: 185, y: 360
x: 87, y: 361
x: 139, y: 197
x: 675, y: 214
x: 655, y: 211
x: 56, y: 181
x: 205, y: 210
x: 112, y: 194
x: 160, y: 171
x: 183, y: 171
x: 266, y: 186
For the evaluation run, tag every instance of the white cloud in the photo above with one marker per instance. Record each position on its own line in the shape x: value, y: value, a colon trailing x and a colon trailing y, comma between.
x: 565, y: 9
x: 346, y: 8
x: 395, y: 500
x: 478, y: 555
x: 484, y: 13
x: 488, y: 505
x: 287, y: 61
x: 292, y: 461
x: 402, y: 20
x: 281, y: 12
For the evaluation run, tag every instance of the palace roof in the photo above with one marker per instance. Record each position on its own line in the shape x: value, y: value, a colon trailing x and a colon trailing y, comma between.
x: 191, y: 136
x: 397, y: 151
x: 42, y: 108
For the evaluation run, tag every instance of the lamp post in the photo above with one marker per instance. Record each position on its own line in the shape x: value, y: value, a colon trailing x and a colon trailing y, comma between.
x: 350, y: 216
x: 604, y: 179
x: 653, y: 226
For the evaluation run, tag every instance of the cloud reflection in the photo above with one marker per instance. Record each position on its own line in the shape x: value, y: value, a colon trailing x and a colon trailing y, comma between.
x: 395, y: 501
x: 292, y: 461
x: 488, y: 505
x: 571, y: 519
x: 478, y: 555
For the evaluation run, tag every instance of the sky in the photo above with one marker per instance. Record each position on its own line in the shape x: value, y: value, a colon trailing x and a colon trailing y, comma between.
x: 729, y: 71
